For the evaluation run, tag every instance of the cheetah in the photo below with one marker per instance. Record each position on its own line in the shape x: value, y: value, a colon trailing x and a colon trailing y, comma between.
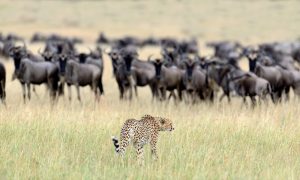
x: 141, y: 132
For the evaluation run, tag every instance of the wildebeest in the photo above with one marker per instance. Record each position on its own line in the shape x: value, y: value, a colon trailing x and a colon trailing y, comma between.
x: 168, y: 79
x: 279, y: 79
x: 225, y: 49
x: 252, y: 86
x: 95, y: 58
x: 195, y: 81
x: 30, y: 72
x: 2, y: 83
x: 78, y: 74
x: 122, y: 68
x: 220, y: 72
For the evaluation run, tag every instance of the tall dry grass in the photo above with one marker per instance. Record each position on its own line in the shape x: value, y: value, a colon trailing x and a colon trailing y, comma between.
x: 219, y: 141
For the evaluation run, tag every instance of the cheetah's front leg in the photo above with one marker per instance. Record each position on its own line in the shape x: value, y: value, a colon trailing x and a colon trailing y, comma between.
x: 153, y: 143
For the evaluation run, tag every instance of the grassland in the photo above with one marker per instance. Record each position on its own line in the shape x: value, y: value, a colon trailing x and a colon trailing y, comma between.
x: 219, y: 141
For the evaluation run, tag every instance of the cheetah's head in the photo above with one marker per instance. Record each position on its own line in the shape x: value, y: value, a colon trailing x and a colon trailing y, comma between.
x: 165, y: 124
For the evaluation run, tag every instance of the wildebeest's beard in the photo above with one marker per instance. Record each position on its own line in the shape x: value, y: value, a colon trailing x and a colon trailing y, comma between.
x: 158, y: 70
x: 47, y: 57
x: 128, y: 61
x: 59, y: 48
x: 82, y: 57
x: 18, y: 54
x: 17, y: 63
x: 62, y: 65
x: 189, y: 70
x: 252, y: 64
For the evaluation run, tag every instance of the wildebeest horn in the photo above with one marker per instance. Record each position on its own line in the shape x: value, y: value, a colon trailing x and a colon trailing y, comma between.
x: 90, y: 50
x: 39, y: 51
x: 149, y: 57
x: 24, y: 45
x: 106, y: 51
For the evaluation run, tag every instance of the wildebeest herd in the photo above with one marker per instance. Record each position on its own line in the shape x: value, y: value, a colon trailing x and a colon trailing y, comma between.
x: 180, y: 72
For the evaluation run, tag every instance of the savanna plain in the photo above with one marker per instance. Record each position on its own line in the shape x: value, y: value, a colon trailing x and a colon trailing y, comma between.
x: 211, y: 141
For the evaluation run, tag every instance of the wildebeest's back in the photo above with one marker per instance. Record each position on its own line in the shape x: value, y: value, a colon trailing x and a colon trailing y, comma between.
x: 36, y: 72
x: 173, y: 78
x: 84, y: 74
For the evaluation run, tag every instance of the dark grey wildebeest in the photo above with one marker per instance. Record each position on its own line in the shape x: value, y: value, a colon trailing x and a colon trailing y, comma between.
x: 168, y: 79
x: 121, y: 73
x: 95, y: 59
x: 30, y: 72
x: 252, y: 86
x: 219, y: 72
x: 78, y: 74
x: 195, y: 81
x: 2, y: 83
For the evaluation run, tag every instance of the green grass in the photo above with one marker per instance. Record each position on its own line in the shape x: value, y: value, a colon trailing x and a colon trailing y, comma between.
x: 48, y: 150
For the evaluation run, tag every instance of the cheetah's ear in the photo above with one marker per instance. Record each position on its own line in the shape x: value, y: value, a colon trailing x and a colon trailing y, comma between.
x: 162, y: 121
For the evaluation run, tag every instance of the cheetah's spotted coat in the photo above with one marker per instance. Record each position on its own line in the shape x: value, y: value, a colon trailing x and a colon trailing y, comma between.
x: 141, y: 132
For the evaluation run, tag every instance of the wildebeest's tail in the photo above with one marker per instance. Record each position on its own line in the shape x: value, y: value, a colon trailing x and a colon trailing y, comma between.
x: 116, y: 143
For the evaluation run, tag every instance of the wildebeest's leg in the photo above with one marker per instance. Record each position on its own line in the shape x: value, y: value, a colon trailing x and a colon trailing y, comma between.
x: 2, y: 93
x: 28, y: 91
x: 253, y: 100
x: 179, y: 91
x: 34, y: 91
x: 133, y: 84
x: 152, y: 92
x: 160, y: 93
x: 222, y: 96
x: 273, y: 97
x: 52, y: 88
x: 122, y: 91
x: 164, y: 93
x: 70, y: 92
x: 244, y: 102
x: 95, y: 89
x: 172, y: 94
x: 135, y: 90
x: 130, y: 92
x: 194, y: 97
x: 61, y: 85
x: 287, y: 91
x: 78, y: 92
x: 24, y: 92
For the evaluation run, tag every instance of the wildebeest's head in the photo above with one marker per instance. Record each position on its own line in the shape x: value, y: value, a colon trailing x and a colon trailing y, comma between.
x: 47, y: 55
x: 114, y: 55
x: 129, y: 54
x: 82, y: 57
x: 252, y: 55
x: 157, y: 65
x: 96, y: 54
x: 17, y: 53
x: 62, y: 59
x: 189, y: 65
x: 170, y: 55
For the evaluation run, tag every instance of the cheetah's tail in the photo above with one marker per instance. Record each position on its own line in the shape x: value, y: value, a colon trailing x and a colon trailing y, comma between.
x: 116, y: 143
